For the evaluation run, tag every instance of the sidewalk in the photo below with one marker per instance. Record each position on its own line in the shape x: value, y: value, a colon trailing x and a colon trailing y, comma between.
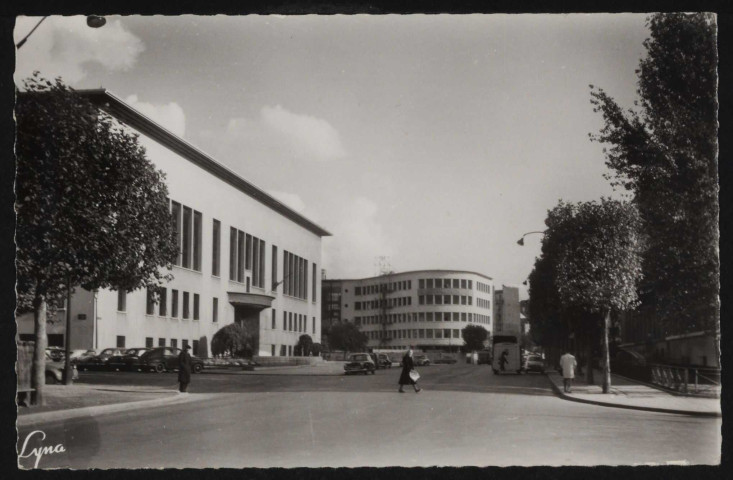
x: 626, y: 393
x: 79, y: 400
x: 326, y: 368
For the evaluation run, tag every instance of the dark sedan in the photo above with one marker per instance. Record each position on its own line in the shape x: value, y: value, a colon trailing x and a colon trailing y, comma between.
x: 165, y: 359
x: 100, y: 361
x: 360, y: 363
x: 129, y: 360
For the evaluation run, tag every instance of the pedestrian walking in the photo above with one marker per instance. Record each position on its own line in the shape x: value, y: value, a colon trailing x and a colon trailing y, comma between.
x: 408, y: 372
x: 503, y: 360
x: 184, y: 369
x: 568, y: 364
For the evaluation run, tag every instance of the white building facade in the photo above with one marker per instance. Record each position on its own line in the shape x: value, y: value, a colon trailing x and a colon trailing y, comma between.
x: 426, y: 309
x: 244, y: 257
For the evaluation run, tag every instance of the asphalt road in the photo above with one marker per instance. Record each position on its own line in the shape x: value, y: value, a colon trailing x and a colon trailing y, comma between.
x: 464, y: 416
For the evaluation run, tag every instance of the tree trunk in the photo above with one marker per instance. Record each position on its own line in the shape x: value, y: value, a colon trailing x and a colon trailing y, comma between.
x: 38, y: 378
x: 68, y: 375
x: 606, y: 354
x: 589, y: 357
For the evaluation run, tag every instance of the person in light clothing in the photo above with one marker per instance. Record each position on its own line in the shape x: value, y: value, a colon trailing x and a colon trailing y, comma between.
x: 568, y: 364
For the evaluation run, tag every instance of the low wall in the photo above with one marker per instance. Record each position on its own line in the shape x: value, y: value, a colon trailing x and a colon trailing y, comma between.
x: 287, y: 361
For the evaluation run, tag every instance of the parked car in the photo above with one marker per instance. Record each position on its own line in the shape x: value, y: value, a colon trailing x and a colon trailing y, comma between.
x: 384, y: 360
x: 421, y: 361
x: 81, y: 354
x: 360, y: 363
x: 129, y: 360
x: 445, y: 360
x: 56, y: 354
x: 534, y: 363
x: 165, y: 359
x: 55, y: 370
x: 100, y: 361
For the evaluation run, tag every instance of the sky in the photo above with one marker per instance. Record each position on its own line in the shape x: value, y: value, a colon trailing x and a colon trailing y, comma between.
x: 433, y: 140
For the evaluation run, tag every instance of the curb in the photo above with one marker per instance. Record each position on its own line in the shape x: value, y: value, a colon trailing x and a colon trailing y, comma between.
x: 68, y: 414
x: 693, y: 413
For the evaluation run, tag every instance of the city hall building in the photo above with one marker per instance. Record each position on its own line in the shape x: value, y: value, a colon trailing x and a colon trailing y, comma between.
x: 426, y: 309
x: 244, y: 257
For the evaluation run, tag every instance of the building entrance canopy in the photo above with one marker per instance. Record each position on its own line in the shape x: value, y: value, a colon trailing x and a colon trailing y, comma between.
x: 252, y: 301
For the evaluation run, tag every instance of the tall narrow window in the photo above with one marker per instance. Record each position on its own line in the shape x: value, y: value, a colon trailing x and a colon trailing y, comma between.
x: 149, y: 302
x: 195, y: 306
x: 176, y: 219
x: 197, y: 241
x: 232, y: 254
x: 121, y: 300
x: 186, y: 305
x: 186, y: 244
x: 161, y: 342
x: 255, y: 262
x: 274, y: 319
x: 215, y: 310
x: 174, y: 303
x: 286, y: 272
x: 249, y: 252
x: 148, y: 342
x: 314, y: 325
x: 285, y: 321
x: 195, y: 346
x: 262, y: 264
x: 274, y: 266
x: 315, y: 279
x: 162, y: 306
x: 240, y: 257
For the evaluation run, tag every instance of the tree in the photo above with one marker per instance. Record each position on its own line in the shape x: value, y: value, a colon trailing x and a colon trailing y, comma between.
x: 92, y: 211
x: 664, y: 152
x: 600, y: 262
x: 347, y: 337
x: 233, y: 340
x: 316, y: 349
x: 305, y: 343
x: 474, y: 337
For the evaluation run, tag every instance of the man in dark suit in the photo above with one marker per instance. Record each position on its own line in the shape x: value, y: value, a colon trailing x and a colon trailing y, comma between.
x: 184, y: 369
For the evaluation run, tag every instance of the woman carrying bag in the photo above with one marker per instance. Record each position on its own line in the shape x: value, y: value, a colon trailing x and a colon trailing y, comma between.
x: 409, y: 375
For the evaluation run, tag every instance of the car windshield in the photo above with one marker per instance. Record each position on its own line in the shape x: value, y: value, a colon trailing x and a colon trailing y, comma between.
x: 358, y: 358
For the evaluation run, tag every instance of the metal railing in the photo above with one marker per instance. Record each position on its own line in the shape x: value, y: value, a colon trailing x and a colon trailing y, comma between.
x: 686, y: 379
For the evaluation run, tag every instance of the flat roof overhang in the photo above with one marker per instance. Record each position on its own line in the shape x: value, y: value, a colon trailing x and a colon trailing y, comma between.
x: 250, y: 300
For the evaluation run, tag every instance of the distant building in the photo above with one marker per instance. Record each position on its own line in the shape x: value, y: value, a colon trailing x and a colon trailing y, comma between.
x: 244, y: 257
x: 506, y: 311
x: 426, y: 309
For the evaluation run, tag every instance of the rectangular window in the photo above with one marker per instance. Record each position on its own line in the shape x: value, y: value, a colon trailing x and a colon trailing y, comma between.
x: 195, y: 347
x: 174, y: 343
x: 274, y: 267
x: 314, y: 325
x: 148, y: 342
x: 215, y: 247
x: 176, y: 218
x: 456, y: 300
x: 248, y: 265
x: 121, y: 300
x: 232, y: 254
x: 174, y: 303
x: 161, y: 342
x: 290, y: 321
x: 261, y: 282
x: 240, y: 256
x: 120, y: 341
x: 456, y: 333
x: 255, y: 259
x: 149, y: 302
x: 470, y: 284
x: 315, y: 279
x: 285, y: 321
x: 429, y: 333
x: 446, y: 299
x: 197, y: 241
x: 456, y: 283
x: 463, y: 283
x: 186, y: 243
x: 186, y: 305
x: 463, y: 316
x: 429, y: 283
x: 162, y: 306
x: 438, y: 299
x: 438, y: 333
x: 215, y: 310
x: 195, y: 306
x: 470, y: 300
x: 421, y: 299
x: 282, y: 350
x: 456, y: 316
x: 274, y: 318
x: 286, y: 272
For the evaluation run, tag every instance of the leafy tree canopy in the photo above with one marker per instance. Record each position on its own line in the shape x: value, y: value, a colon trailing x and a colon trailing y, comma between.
x: 347, y: 337
x: 664, y: 152
x: 234, y: 340
x: 474, y: 337
x: 92, y: 210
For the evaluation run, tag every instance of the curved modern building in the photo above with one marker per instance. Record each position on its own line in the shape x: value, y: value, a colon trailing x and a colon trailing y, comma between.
x: 424, y: 308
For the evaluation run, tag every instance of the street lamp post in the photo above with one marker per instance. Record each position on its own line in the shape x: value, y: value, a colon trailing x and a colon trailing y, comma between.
x: 93, y: 21
x: 520, y: 242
